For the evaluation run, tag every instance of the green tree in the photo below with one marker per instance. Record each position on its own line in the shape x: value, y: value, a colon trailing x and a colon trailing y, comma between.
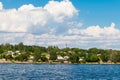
x: 74, y: 58
x: 115, y: 56
x: 44, y: 59
x: 93, y: 50
x: 92, y: 58
x: 22, y: 57
x: 8, y: 57
x: 37, y: 56
x: 53, y: 55
x: 52, y: 50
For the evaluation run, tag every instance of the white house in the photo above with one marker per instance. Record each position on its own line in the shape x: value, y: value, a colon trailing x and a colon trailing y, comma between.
x: 66, y: 57
x: 60, y: 57
x: 18, y: 52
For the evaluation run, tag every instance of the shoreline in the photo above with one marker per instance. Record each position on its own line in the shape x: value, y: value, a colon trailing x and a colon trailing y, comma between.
x: 26, y: 62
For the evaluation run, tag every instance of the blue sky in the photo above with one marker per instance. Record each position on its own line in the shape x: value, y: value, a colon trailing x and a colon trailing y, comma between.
x: 102, y: 12
x: 78, y: 23
x: 17, y: 3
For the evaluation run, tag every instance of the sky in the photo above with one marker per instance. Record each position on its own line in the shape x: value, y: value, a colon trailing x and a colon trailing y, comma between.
x: 77, y: 23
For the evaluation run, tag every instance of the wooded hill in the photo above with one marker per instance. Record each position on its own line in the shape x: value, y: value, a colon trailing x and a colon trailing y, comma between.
x: 21, y: 52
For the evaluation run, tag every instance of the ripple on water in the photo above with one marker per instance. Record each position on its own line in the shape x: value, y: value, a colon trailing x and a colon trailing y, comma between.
x: 59, y: 72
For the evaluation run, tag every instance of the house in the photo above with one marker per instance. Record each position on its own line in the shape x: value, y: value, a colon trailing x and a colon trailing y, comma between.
x: 10, y: 53
x: 60, y: 57
x: 66, y: 58
x: 31, y: 57
x: 81, y: 58
x: 17, y: 52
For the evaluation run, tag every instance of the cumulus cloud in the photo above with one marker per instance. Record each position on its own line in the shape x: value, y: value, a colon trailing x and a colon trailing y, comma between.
x: 97, y: 36
x: 48, y: 22
x: 29, y: 18
x: 75, y: 24
x: 61, y: 40
x: 61, y: 10
x: 1, y: 6
x: 96, y: 31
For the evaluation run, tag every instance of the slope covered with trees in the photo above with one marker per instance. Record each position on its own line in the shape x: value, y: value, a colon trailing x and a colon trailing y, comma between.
x: 21, y: 52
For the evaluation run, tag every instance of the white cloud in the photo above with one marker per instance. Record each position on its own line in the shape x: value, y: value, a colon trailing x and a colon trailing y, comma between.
x: 29, y: 18
x: 1, y: 6
x: 81, y: 41
x: 97, y: 36
x: 22, y: 21
x: 20, y: 25
x: 61, y: 10
x: 96, y: 31
x: 28, y: 7
x: 75, y: 24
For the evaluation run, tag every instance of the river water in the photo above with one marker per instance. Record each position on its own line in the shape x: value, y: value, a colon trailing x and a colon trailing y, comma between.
x: 59, y: 72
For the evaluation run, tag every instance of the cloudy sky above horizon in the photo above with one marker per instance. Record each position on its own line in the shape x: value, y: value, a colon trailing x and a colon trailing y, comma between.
x: 77, y: 23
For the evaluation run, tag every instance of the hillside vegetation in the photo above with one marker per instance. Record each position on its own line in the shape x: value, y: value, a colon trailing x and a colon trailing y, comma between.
x: 54, y: 54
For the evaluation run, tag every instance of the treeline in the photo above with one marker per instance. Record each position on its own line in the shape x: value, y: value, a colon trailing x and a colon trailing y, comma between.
x: 21, y: 52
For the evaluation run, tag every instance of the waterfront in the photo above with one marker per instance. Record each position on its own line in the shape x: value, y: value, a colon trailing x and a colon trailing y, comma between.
x: 59, y: 72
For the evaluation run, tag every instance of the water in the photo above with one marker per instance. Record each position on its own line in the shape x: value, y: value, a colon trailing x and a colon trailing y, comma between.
x: 59, y: 72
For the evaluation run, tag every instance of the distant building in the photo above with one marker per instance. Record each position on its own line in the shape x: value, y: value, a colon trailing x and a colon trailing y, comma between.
x: 17, y: 52
x: 31, y: 57
x: 81, y: 58
x: 66, y: 57
x: 60, y: 57
x: 10, y: 53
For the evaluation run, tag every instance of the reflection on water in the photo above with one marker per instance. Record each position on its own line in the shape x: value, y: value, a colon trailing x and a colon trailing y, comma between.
x: 59, y: 72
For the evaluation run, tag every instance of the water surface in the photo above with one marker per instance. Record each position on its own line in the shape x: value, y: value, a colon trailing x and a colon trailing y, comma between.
x: 59, y: 72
